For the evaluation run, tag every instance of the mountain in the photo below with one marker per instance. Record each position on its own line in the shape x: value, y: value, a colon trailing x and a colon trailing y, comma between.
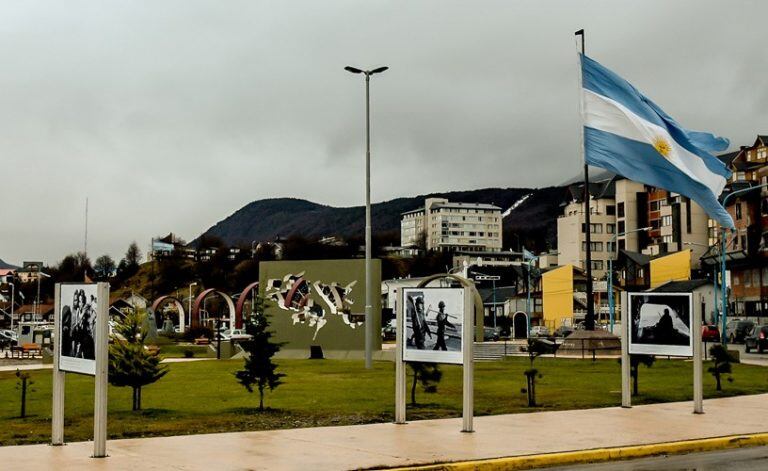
x: 5, y: 266
x: 531, y: 213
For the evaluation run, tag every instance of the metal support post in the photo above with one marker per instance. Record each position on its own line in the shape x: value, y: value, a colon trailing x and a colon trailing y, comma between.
x: 626, y: 390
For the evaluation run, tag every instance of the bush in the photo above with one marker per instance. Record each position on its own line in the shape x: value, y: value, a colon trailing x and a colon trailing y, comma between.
x: 189, y: 353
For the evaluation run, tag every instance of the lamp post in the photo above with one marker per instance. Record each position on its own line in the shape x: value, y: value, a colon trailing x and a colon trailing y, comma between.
x: 714, y: 280
x: 13, y: 301
x: 722, y: 257
x: 368, y: 287
x: 189, y: 305
x: 610, y: 272
x: 528, y: 286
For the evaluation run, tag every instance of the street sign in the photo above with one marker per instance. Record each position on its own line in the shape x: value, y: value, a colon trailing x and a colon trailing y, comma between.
x: 487, y: 277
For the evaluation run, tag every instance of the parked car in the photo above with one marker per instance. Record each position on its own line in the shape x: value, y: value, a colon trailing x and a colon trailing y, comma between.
x: 710, y: 333
x: 491, y: 334
x: 564, y: 331
x: 735, y: 330
x: 539, y: 331
x: 389, y: 331
x: 757, y: 339
x: 235, y: 334
x: 8, y: 338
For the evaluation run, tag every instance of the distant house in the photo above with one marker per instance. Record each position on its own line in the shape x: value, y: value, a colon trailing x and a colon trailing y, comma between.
x: 706, y: 288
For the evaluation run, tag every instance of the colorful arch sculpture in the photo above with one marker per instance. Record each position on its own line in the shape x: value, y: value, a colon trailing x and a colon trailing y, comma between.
x: 199, y: 301
x: 241, y: 304
x: 159, y: 302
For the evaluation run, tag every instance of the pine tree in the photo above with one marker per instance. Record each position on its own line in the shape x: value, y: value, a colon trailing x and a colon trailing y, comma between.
x: 428, y: 374
x: 259, y: 370
x: 130, y: 364
x: 722, y: 359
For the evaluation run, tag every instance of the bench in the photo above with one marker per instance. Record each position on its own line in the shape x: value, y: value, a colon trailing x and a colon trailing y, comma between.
x: 153, y: 349
x: 202, y: 341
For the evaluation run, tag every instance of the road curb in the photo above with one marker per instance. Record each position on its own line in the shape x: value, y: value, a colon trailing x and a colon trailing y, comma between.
x: 598, y: 454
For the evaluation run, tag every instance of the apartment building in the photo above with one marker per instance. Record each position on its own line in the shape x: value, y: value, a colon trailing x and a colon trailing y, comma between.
x: 747, y: 246
x: 619, y: 207
x: 572, y: 228
x: 449, y: 226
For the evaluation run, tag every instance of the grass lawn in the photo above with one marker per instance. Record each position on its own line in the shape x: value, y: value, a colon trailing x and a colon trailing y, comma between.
x: 198, y: 397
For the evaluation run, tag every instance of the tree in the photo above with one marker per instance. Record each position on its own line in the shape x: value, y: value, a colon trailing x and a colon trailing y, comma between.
x: 130, y: 363
x: 721, y: 359
x: 104, y: 267
x: 428, y: 374
x: 634, y: 368
x: 258, y: 369
x: 534, y: 349
x: 133, y: 255
x: 23, y: 384
x: 74, y: 267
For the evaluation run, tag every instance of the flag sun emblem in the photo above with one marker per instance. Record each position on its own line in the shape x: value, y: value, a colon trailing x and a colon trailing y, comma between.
x: 662, y: 146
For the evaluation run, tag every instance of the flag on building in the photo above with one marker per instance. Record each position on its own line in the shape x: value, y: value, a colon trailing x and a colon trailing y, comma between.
x: 628, y: 134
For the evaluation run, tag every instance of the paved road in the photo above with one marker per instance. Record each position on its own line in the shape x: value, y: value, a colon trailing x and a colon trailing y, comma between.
x: 745, y: 459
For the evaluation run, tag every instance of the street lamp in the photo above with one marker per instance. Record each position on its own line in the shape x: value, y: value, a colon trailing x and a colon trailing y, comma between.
x: 611, y: 307
x: 722, y: 255
x: 13, y: 301
x: 189, y: 308
x: 528, y: 287
x: 368, y: 287
x: 714, y: 278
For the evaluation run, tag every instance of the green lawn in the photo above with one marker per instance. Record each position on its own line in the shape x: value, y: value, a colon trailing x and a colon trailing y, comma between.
x: 204, y: 396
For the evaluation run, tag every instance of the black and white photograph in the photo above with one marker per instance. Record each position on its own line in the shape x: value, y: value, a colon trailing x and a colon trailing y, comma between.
x: 433, y: 325
x: 661, y: 324
x: 77, y: 328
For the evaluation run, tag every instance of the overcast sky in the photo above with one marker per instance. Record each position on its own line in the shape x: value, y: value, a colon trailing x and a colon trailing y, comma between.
x: 171, y: 115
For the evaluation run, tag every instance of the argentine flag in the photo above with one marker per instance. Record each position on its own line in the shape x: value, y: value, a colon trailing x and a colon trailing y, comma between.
x: 626, y: 133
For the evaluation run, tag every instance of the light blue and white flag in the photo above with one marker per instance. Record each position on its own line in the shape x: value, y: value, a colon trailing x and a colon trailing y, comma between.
x: 626, y: 133
x: 528, y: 255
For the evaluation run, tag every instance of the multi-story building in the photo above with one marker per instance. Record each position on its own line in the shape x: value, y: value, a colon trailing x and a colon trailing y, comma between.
x: 446, y: 226
x: 572, y: 228
x: 747, y: 245
x: 619, y: 207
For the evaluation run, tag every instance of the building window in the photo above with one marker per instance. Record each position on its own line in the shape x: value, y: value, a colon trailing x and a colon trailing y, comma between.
x: 738, y: 211
x: 620, y: 210
x: 595, y: 246
x: 621, y: 227
x: 735, y: 280
x: 622, y: 244
x: 597, y: 264
x: 747, y: 279
x: 610, y: 228
x: 666, y: 221
x: 611, y: 247
x: 610, y: 210
x: 596, y: 228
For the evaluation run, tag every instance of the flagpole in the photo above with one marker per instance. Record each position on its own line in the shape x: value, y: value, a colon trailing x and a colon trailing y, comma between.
x: 589, y: 320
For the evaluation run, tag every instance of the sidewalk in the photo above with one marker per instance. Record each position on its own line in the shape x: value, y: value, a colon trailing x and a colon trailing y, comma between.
x: 421, y: 442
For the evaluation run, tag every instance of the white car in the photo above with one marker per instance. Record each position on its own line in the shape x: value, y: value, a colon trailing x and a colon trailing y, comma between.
x: 236, y: 335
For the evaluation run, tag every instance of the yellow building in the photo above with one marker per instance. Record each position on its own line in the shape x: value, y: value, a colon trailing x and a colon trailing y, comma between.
x: 558, y: 296
x: 673, y: 267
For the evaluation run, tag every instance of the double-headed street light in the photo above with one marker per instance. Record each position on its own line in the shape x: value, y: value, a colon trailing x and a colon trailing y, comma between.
x: 611, y: 306
x: 722, y: 256
x: 714, y: 279
x: 368, y: 287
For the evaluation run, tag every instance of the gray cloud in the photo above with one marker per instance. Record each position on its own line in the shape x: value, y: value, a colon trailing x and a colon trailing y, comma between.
x: 171, y: 115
